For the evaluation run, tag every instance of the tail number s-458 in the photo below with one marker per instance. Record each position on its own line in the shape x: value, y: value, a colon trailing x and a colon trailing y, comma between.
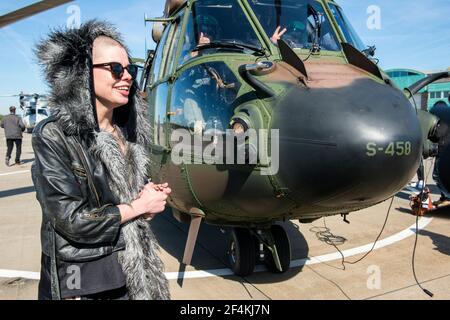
x: 398, y: 148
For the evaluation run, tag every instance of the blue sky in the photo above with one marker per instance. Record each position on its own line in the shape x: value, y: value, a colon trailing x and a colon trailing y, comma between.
x: 413, y: 34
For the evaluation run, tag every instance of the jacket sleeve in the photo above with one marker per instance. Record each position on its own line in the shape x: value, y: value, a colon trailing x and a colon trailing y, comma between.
x: 60, y: 196
x: 21, y: 124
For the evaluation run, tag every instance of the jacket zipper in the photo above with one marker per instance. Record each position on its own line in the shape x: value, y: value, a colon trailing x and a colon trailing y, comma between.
x: 88, y: 174
x: 79, y: 171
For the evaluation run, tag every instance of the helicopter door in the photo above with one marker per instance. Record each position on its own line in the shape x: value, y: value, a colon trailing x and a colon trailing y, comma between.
x: 158, y: 91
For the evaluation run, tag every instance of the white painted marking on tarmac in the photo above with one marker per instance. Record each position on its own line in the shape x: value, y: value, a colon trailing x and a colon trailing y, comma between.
x: 19, y: 274
x: 423, y: 222
x: 411, y: 189
x: 14, y: 172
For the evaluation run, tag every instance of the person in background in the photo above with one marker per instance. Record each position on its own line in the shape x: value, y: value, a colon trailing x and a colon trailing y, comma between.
x: 14, y: 127
x: 420, y: 184
x: 208, y: 29
x: 442, y: 138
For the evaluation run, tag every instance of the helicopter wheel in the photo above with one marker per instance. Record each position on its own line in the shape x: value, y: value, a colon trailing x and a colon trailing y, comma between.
x: 241, y: 252
x: 283, y: 245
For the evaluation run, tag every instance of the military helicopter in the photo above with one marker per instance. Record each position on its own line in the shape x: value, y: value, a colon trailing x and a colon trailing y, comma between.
x: 34, y: 108
x: 273, y: 110
x: 346, y: 137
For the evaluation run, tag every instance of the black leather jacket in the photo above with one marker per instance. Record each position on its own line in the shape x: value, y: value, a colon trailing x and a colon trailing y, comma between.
x: 79, y: 210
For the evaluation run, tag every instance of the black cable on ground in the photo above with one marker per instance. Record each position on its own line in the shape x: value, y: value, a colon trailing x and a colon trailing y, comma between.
x: 343, y: 261
x: 413, y: 259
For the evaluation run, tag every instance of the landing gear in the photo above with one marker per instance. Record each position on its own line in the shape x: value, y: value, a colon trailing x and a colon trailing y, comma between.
x: 281, y: 251
x: 271, y: 245
x: 241, y: 252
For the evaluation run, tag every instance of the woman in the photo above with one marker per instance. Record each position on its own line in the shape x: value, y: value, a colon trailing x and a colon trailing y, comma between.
x: 90, y: 173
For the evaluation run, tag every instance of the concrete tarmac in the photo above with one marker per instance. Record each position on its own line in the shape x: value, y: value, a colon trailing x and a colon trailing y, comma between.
x: 316, y: 272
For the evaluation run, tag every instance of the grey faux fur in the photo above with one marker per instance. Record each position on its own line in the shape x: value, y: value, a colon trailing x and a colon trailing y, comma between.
x: 66, y: 58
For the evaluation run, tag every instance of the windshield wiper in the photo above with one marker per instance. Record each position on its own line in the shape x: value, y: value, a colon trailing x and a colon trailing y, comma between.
x: 370, y: 51
x: 230, y: 45
x: 315, y: 47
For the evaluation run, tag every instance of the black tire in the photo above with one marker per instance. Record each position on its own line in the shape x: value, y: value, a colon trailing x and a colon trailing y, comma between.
x: 283, y: 248
x: 241, y: 254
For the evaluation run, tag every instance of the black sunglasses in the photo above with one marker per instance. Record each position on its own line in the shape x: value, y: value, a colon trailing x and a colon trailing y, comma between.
x: 117, y: 69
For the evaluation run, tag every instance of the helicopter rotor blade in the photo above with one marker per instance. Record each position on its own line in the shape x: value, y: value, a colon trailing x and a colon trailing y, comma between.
x: 29, y: 11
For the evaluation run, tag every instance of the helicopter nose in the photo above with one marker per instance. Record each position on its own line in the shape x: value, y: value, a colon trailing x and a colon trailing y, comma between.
x: 348, y: 146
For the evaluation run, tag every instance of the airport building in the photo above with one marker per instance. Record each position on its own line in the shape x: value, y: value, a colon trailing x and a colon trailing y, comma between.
x: 427, y: 98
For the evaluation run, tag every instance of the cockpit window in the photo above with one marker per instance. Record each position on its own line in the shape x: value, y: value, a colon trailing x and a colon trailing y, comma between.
x: 30, y: 112
x: 202, y: 98
x: 219, y: 22
x: 346, y: 28
x: 299, y: 18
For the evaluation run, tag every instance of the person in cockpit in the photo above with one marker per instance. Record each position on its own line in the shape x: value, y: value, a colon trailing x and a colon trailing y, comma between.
x: 208, y: 30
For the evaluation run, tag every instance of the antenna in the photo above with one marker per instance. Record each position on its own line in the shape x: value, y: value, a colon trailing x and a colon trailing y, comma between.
x: 145, y: 53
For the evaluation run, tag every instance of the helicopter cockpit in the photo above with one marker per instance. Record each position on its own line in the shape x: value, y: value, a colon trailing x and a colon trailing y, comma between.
x: 222, y: 26
x: 203, y: 92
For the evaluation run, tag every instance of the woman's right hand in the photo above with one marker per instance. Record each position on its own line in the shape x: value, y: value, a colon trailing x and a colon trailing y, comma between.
x: 152, y: 199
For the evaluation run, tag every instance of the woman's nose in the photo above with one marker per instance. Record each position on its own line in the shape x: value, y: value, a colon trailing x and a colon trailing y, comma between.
x: 126, y: 75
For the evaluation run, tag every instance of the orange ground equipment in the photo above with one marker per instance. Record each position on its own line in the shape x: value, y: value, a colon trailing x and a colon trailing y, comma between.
x: 421, y: 203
